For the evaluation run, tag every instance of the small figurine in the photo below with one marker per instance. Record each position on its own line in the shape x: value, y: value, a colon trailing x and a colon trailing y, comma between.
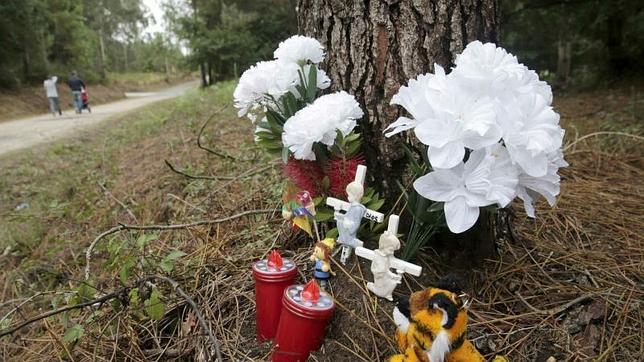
x: 299, y: 209
x: 348, y: 222
x: 322, y: 257
x: 432, y: 326
x: 383, y: 260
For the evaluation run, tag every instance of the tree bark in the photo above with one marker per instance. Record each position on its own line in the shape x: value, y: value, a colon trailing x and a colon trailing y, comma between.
x: 373, y: 47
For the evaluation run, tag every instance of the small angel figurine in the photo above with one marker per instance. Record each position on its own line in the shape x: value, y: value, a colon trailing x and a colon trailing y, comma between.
x: 322, y: 257
x: 384, y: 280
x: 348, y: 222
x: 383, y: 260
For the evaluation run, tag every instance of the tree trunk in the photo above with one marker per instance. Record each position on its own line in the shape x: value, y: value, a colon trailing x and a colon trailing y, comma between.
x: 374, y: 47
x: 204, y: 80
x: 101, y: 55
x: 564, y: 58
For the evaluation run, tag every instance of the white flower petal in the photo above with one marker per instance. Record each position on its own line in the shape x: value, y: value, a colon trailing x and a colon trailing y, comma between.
x: 447, y: 156
x: 459, y: 215
x: 440, y: 185
x: 300, y: 49
x: 402, y: 124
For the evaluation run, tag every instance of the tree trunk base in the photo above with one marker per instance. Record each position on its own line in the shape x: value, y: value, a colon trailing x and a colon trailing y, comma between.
x: 478, y: 244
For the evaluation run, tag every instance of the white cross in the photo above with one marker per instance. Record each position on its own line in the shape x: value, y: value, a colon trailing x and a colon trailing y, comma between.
x: 338, y: 204
x: 383, y: 260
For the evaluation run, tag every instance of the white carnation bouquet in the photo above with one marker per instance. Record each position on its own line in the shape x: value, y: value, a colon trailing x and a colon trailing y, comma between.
x: 313, y: 134
x: 490, y: 131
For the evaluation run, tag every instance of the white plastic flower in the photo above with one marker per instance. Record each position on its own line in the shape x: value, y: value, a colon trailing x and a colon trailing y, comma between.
x: 487, y: 69
x: 486, y: 178
x: 300, y: 49
x: 530, y: 83
x: 323, y: 81
x: 548, y: 186
x: 415, y: 98
x: 461, y: 119
x: 261, y: 82
x: 531, y: 131
x: 319, y: 121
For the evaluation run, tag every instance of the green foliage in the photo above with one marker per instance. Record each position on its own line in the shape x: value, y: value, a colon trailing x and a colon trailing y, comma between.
x: 74, y: 333
x: 154, y: 307
x: 226, y: 37
x: 44, y: 37
x: 606, y: 38
x: 426, y: 215
x: 167, y: 264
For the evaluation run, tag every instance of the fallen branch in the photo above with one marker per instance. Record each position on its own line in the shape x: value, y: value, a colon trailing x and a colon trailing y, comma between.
x: 64, y: 309
x: 120, y: 227
x: 211, y: 150
x: 196, y: 177
x: 108, y: 193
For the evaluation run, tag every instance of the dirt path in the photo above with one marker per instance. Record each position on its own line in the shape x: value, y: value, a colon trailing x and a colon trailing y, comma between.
x: 28, y: 132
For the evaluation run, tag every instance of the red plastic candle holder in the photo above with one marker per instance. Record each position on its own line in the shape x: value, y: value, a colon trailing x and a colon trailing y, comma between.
x: 305, y: 313
x: 272, y: 276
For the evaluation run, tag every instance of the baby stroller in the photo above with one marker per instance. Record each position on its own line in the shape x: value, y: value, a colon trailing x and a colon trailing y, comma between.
x: 85, y: 100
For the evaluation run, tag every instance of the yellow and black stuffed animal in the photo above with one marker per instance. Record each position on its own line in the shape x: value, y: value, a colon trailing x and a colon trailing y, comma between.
x: 432, y: 326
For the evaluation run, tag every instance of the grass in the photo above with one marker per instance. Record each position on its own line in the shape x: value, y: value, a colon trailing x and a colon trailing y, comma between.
x: 589, y: 246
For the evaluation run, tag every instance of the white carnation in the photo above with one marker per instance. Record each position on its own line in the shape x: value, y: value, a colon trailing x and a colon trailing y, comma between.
x: 261, y: 82
x: 415, y: 98
x: 319, y: 121
x: 300, y: 49
x: 531, y: 131
x: 460, y: 120
x: 487, y: 69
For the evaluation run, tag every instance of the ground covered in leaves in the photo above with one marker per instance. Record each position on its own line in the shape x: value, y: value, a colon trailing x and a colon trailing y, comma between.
x: 568, y: 285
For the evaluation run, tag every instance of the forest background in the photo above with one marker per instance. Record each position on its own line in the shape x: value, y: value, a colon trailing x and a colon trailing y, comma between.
x: 572, y: 43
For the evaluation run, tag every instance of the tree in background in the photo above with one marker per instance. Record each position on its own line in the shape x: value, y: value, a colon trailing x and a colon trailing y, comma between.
x: 91, y: 36
x: 576, y: 42
x: 226, y: 37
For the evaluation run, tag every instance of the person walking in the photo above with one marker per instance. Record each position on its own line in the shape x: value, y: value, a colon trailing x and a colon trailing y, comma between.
x: 52, y: 95
x: 76, y: 85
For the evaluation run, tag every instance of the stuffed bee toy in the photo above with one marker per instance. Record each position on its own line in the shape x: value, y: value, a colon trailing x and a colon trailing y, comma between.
x: 431, y: 326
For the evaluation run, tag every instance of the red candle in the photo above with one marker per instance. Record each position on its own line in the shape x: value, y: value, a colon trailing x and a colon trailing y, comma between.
x: 305, y: 313
x: 272, y: 276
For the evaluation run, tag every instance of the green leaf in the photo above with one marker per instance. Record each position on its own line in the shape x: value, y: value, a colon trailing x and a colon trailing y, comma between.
x: 126, y: 268
x: 325, y: 183
x: 437, y: 206
x: 167, y: 264
x: 323, y: 214
x: 135, y: 300
x: 313, y: 83
x: 74, y: 333
x: 333, y: 233
x: 174, y: 255
x: 84, y: 293
x: 154, y: 307
x: 144, y: 238
x: 376, y: 204
x: 285, y: 154
x: 5, y: 323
